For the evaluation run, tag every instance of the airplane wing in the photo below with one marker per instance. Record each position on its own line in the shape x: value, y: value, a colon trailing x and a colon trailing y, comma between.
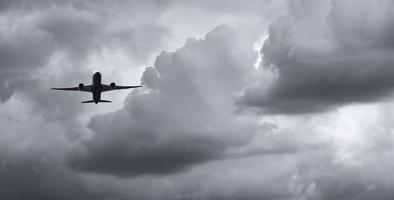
x: 85, y: 88
x: 105, y: 88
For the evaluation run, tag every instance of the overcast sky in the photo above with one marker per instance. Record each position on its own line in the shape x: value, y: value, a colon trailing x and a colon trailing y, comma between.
x: 251, y: 100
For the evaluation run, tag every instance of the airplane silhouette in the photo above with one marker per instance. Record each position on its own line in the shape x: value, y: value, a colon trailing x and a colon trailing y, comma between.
x: 96, y: 88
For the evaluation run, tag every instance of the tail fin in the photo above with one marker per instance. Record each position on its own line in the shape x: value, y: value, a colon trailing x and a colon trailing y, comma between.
x: 104, y: 101
x: 90, y: 101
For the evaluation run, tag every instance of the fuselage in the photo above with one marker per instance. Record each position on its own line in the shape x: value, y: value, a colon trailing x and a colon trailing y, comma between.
x: 96, y: 87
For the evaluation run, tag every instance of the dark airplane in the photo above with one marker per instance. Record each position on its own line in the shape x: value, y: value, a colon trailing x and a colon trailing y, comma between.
x: 96, y: 88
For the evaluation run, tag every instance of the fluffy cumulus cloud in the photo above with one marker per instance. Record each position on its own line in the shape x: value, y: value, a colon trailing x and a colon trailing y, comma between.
x: 325, y: 54
x: 184, y: 116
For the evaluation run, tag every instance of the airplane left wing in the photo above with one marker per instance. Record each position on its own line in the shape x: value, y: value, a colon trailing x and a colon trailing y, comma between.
x: 105, y: 88
x: 85, y: 88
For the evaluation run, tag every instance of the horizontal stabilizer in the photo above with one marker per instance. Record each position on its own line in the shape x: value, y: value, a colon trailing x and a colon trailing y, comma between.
x: 90, y: 101
x: 101, y: 101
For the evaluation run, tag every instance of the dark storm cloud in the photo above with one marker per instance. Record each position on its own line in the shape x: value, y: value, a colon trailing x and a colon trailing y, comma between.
x: 26, y: 47
x: 74, y: 31
x: 327, y: 54
x: 35, y: 177
x: 22, y: 50
x: 31, y: 161
x: 44, y: 45
x: 34, y: 32
x: 184, y: 119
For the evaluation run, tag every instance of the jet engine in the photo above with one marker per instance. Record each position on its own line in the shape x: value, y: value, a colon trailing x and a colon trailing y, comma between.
x: 80, y: 86
x: 113, y: 85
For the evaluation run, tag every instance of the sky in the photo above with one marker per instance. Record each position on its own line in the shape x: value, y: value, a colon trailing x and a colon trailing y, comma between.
x: 251, y: 100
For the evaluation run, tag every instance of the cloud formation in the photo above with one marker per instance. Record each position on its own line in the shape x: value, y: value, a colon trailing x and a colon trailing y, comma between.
x: 183, y: 117
x: 327, y: 54
x: 35, y: 36
x: 49, y: 43
x: 22, y: 50
x: 181, y: 137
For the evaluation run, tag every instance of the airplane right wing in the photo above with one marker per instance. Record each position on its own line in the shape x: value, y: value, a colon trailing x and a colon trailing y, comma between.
x: 116, y: 87
x: 83, y: 88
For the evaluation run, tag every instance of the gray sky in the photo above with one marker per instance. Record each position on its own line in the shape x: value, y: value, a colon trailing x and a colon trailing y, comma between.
x: 256, y: 99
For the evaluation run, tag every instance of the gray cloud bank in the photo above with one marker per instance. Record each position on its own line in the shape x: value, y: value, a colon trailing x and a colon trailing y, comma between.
x: 326, y: 54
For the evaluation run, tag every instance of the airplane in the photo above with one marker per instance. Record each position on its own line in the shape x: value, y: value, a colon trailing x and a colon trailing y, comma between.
x: 96, y: 88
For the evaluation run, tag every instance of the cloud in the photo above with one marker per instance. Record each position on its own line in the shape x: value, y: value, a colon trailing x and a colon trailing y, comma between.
x: 31, y: 158
x: 29, y: 45
x: 180, y: 137
x: 36, y: 35
x: 42, y: 46
x: 23, y: 49
x: 184, y: 116
x: 326, y: 54
x: 23, y: 177
x: 343, y: 163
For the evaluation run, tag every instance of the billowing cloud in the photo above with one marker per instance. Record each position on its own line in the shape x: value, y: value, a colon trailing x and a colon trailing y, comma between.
x: 184, y: 115
x: 326, y: 54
